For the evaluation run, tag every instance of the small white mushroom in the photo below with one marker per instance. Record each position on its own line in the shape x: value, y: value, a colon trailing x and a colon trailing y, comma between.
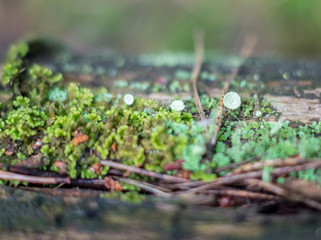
x: 258, y: 113
x: 232, y: 100
x: 177, y: 105
x: 129, y: 99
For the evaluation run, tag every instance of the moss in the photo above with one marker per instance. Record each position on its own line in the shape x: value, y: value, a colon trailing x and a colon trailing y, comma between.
x: 23, y: 121
x: 144, y: 134
x: 14, y: 62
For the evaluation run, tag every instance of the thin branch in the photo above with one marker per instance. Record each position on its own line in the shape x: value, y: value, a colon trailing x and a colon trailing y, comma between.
x: 144, y: 172
x: 64, y: 192
x: 270, y: 187
x: 146, y: 187
x: 242, y: 194
x: 32, y: 172
x: 256, y: 105
x: 32, y: 179
x: 236, y: 164
x: 199, y: 53
x: 257, y: 174
x: 250, y: 42
x: 250, y: 167
x: 88, y: 183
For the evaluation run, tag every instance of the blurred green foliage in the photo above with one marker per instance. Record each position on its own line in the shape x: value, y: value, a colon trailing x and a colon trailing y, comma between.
x: 284, y: 27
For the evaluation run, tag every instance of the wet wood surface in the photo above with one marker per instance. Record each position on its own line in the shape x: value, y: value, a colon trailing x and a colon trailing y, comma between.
x: 31, y: 215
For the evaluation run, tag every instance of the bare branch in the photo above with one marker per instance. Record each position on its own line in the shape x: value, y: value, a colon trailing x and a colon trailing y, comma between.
x: 242, y: 194
x: 145, y: 186
x: 270, y: 187
x: 250, y: 42
x: 199, y: 53
x: 250, y: 167
x: 257, y: 174
x: 32, y: 179
x: 144, y: 172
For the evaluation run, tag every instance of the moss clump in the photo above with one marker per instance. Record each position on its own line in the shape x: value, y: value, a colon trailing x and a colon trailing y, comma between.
x: 23, y: 121
x: 144, y: 134
x: 14, y: 62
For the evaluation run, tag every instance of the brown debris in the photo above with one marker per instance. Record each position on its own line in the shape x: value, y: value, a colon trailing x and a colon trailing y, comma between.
x: 62, y: 166
x: 174, y: 165
x: 38, y: 144
x: 114, y: 147
x: 97, y: 168
x: 113, y: 184
x: 296, y: 92
x: 183, y: 174
x: 80, y: 139
x: 8, y: 152
x: 225, y: 201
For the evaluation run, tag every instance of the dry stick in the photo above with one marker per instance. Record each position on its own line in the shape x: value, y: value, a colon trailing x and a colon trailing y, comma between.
x: 32, y: 179
x: 257, y: 174
x: 250, y: 167
x: 64, y: 192
x: 199, y: 53
x: 237, y: 164
x: 144, y: 172
x: 270, y: 187
x: 242, y: 194
x: 246, y: 51
x: 32, y: 172
x: 256, y: 105
x: 145, y: 186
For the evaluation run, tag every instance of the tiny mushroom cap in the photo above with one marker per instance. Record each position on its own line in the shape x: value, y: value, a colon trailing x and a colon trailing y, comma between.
x: 258, y: 113
x: 129, y: 99
x: 232, y: 100
x: 177, y: 105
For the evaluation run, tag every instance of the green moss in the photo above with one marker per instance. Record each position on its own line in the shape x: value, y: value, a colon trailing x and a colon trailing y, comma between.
x: 24, y: 121
x: 14, y: 62
x: 144, y: 134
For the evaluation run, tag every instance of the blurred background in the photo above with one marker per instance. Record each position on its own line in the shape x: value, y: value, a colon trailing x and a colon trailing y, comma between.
x: 286, y: 28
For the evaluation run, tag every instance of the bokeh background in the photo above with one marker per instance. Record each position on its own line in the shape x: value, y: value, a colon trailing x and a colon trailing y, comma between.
x: 286, y: 28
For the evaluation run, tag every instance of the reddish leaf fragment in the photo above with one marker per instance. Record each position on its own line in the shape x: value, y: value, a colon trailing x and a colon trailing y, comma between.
x: 173, y: 166
x: 61, y: 166
x: 80, y: 139
x: 113, y: 184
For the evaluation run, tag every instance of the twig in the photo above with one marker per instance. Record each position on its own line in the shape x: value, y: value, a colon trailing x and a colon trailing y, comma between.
x: 256, y: 105
x: 242, y: 194
x: 88, y: 183
x: 270, y: 187
x: 32, y: 172
x: 199, y: 53
x: 250, y: 167
x: 145, y: 186
x: 144, y: 172
x: 257, y: 174
x: 246, y: 51
x: 237, y: 164
x: 32, y: 179
x: 65, y: 192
